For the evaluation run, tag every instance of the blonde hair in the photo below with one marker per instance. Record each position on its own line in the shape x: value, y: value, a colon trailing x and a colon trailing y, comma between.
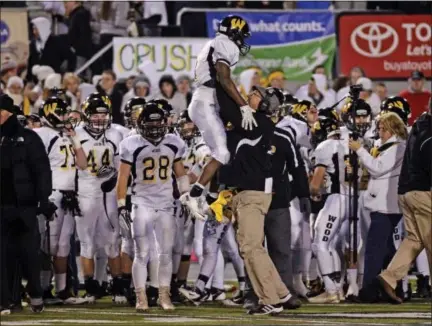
x: 391, y: 122
x: 67, y: 76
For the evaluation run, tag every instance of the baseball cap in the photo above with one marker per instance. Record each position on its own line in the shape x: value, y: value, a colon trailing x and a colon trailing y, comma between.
x: 417, y: 75
x: 365, y: 82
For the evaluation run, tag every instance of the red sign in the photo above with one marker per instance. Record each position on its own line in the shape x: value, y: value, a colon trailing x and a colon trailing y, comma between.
x: 385, y: 45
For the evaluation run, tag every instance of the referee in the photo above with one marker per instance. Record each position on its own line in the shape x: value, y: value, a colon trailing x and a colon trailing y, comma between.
x: 249, y: 172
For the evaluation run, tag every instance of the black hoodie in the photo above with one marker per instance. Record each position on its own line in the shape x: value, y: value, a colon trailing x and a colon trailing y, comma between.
x: 417, y: 164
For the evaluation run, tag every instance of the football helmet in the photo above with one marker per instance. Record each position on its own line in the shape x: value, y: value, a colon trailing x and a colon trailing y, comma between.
x: 97, y: 110
x: 152, y: 123
x: 186, y: 128
x: 398, y: 105
x: 330, y: 113
x: 237, y: 30
x: 324, y: 128
x: 54, y: 112
x: 132, y: 110
x: 300, y: 110
x: 163, y: 105
x: 363, y: 116
x: 288, y: 102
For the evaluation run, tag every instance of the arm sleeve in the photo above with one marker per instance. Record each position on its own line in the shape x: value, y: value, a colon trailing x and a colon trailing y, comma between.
x: 323, y: 155
x: 125, y: 155
x: 225, y: 51
x: 384, y: 163
x: 300, y: 178
x: 40, y: 167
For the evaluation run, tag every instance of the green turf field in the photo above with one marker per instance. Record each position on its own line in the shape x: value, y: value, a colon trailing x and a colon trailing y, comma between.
x: 106, y: 313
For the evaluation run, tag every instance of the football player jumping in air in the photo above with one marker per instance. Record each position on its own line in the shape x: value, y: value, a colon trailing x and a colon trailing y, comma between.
x: 214, y: 64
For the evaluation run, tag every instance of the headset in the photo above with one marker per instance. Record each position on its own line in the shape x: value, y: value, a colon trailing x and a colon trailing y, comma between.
x: 264, y: 105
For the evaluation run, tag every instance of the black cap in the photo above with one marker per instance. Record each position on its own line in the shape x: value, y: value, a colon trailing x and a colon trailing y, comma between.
x: 6, y: 103
x: 417, y: 75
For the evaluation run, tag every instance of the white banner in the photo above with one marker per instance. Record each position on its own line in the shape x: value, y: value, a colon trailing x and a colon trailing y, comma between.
x: 156, y: 56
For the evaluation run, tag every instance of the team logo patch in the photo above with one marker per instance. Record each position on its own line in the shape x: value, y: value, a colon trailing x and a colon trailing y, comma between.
x: 237, y: 23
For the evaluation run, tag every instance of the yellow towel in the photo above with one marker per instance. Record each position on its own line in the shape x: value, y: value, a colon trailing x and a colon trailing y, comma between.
x: 224, y: 199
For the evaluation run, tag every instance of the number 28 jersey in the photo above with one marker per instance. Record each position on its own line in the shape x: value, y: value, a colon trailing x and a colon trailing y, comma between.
x: 61, y: 156
x: 152, y: 168
x: 100, y: 151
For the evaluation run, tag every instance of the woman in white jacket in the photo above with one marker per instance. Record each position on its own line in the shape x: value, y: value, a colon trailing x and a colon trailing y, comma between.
x: 381, y: 198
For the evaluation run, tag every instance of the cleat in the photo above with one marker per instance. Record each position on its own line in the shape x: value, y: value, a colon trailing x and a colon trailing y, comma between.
x: 68, y: 298
x: 37, y: 305
x: 89, y: 298
x: 195, y: 295
x: 325, y: 297
x: 164, y: 298
x: 141, y: 301
x: 217, y: 294
x: 4, y: 311
x: 51, y: 300
x: 267, y: 309
x: 119, y: 299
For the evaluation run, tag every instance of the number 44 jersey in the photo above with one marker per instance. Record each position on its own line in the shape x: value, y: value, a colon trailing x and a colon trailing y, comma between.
x: 61, y: 156
x: 152, y: 168
x: 100, y: 151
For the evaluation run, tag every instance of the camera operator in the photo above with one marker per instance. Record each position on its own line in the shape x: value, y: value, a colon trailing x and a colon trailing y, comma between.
x: 25, y: 185
x: 383, y: 167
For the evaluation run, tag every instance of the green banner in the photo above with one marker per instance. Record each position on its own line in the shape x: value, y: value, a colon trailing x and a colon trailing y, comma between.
x: 296, y: 60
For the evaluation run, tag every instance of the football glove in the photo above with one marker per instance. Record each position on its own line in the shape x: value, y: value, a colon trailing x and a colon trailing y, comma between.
x: 125, y: 220
x: 105, y: 171
x: 248, y: 121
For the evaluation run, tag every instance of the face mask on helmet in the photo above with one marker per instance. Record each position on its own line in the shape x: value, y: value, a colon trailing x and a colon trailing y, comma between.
x: 361, y: 120
x: 239, y: 39
x: 133, y: 116
x: 153, y: 131
x: 99, y: 122
x: 187, y: 130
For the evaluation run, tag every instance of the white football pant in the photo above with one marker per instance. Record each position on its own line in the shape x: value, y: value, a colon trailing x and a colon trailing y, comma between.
x: 204, y: 112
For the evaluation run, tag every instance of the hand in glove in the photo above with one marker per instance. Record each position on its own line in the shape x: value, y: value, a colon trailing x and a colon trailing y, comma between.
x: 248, y: 121
x: 105, y: 171
x: 305, y: 205
x: 48, y: 209
x: 125, y: 220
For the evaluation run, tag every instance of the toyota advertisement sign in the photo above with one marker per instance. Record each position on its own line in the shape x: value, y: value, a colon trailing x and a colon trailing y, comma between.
x: 386, y: 46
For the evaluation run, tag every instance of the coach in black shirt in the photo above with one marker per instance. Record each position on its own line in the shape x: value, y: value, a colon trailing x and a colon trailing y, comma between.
x: 25, y: 185
x: 250, y: 172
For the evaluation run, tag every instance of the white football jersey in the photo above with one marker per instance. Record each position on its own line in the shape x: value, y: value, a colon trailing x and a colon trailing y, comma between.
x: 123, y: 130
x: 333, y: 155
x: 222, y: 49
x: 100, y: 151
x: 152, y: 168
x: 189, y: 157
x: 299, y: 130
x: 61, y: 156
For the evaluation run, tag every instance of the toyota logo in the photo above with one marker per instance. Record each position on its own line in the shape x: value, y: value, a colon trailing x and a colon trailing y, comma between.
x: 374, y: 39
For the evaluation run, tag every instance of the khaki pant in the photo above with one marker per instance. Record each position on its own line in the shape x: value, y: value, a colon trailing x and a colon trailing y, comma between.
x: 417, y: 210
x: 250, y: 208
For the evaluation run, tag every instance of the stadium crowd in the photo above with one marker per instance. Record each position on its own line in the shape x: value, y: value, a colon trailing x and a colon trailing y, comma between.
x: 393, y: 128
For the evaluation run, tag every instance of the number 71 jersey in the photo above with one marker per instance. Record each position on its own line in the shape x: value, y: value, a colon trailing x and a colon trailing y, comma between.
x: 61, y: 156
x: 152, y: 168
